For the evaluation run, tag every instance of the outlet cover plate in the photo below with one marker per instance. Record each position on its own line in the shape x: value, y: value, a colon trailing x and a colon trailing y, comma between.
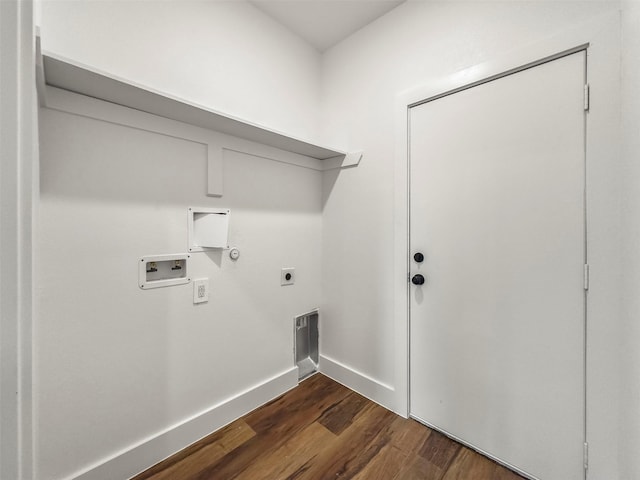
x: 200, y: 290
x: 288, y: 276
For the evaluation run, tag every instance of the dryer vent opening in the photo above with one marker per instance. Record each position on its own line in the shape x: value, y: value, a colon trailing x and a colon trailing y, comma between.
x: 306, y: 343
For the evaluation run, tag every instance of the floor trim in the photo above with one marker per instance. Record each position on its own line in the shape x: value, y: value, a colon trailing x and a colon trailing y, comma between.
x: 139, y: 457
x: 366, y: 386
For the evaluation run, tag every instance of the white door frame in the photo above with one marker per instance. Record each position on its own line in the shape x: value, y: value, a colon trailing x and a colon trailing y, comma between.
x: 18, y: 193
x: 601, y: 39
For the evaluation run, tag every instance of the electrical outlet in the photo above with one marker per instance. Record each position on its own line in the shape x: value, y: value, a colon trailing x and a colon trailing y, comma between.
x: 288, y: 276
x: 200, y: 290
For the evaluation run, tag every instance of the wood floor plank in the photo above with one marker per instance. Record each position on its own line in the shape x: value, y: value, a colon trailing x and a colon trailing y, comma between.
x: 323, y: 431
x: 340, y: 416
x: 315, y: 395
x: 196, y: 461
x: 439, y: 450
x: 337, y: 459
x: 470, y: 465
x: 406, y: 438
x: 281, y: 419
x: 235, y: 436
x: 201, y: 453
x: 385, y: 465
x: 233, y: 464
x: 408, y: 435
x: 419, y: 468
x: 298, y: 450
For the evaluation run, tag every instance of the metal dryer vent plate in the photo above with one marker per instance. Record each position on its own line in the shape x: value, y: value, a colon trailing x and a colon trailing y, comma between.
x: 306, y: 343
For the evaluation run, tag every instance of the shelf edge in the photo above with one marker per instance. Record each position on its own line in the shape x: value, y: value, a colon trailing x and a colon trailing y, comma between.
x: 61, y: 72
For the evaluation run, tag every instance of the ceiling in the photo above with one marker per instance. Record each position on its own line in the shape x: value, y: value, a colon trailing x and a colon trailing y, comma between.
x: 323, y: 23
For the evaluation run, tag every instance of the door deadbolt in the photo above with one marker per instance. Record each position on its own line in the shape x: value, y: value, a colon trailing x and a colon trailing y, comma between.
x: 418, y: 257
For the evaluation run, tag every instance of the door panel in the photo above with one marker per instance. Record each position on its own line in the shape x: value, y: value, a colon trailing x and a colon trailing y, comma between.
x: 497, y: 209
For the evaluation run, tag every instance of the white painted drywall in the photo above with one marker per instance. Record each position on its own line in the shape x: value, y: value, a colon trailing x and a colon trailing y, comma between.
x: 228, y: 56
x: 415, y: 44
x: 116, y: 365
x: 125, y: 364
x: 630, y: 334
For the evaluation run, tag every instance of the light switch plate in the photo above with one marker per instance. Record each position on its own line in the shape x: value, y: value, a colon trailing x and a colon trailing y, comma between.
x: 200, y: 290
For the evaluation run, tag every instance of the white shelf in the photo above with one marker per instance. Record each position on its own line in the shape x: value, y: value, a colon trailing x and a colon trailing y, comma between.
x: 75, y: 77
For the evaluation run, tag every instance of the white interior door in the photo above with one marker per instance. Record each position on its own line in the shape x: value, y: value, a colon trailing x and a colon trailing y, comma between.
x: 497, y: 209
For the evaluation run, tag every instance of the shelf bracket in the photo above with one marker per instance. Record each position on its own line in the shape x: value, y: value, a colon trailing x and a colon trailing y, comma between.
x: 348, y: 160
x: 215, y: 166
x: 352, y: 159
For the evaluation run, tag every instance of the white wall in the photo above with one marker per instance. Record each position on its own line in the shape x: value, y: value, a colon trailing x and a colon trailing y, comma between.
x: 630, y: 334
x: 225, y: 55
x: 115, y: 364
x: 416, y: 44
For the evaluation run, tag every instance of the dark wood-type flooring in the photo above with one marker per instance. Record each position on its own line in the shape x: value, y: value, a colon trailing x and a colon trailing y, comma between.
x: 321, y: 430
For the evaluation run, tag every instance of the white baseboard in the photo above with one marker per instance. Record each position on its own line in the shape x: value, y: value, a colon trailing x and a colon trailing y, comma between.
x: 359, y: 382
x: 138, y: 458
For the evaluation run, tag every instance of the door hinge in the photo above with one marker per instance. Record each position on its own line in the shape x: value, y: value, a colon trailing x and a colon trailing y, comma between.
x: 586, y: 276
x: 586, y: 455
x: 586, y: 97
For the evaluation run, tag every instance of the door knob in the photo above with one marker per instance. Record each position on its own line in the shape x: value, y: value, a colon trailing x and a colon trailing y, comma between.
x: 417, y: 279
